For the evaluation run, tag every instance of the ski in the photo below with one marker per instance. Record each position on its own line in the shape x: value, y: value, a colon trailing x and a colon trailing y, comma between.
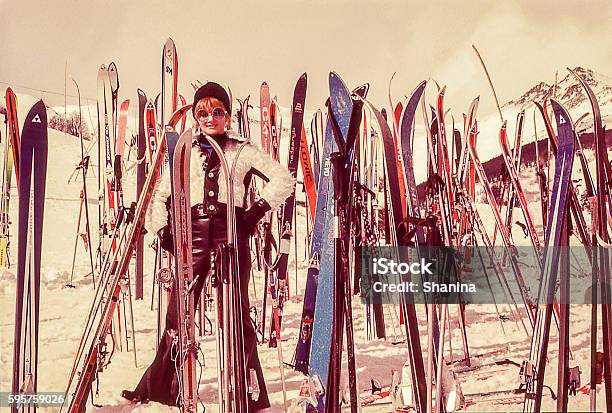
x: 183, y: 103
x: 119, y: 147
x: 308, y: 176
x: 13, y: 126
x: 509, y: 247
x: 516, y: 156
x: 92, y: 352
x: 346, y: 111
x: 518, y: 191
x: 396, y: 113
x: 604, y: 181
x: 150, y: 126
x: 11, y: 162
x: 323, y: 294
x: 264, y: 113
x: 106, y: 206
x: 406, y: 127
x: 233, y: 378
x: 275, y: 130
x: 317, y: 133
x: 574, y: 205
x: 141, y: 172
x: 113, y: 77
x: 281, y: 262
x: 533, y: 371
x: 317, y: 243
x: 169, y: 94
x: 407, y: 304
x: 32, y: 186
x: 181, y: 222
x: 263, y: 240
x: 444, y: 170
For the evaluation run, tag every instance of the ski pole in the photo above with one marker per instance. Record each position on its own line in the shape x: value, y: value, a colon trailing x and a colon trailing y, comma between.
x: 76, y: 240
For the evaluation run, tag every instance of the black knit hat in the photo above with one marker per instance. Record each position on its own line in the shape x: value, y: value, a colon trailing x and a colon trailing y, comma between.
x: 212, y: 90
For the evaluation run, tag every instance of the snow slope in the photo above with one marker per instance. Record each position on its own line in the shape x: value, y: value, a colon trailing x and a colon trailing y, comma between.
x: 63, y: 309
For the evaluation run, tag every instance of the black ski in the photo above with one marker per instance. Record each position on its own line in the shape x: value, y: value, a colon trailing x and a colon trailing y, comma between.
x: 32, y: 182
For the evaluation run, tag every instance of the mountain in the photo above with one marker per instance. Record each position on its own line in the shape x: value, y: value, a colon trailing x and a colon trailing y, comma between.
x: 537, y: 93
x: 568, y: 90
x: 571, y: 94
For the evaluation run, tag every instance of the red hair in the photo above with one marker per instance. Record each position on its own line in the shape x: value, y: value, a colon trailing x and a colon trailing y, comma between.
x: 209, y: 103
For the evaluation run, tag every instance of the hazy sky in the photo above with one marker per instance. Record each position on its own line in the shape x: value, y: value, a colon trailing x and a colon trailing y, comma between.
x: 246, y: 42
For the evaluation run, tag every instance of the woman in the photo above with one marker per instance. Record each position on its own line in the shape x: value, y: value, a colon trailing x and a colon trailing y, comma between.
x: 212, y: 111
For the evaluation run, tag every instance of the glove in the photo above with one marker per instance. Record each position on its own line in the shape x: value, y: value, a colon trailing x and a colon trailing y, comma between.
x: 254, y: 214
x: 166, y: 240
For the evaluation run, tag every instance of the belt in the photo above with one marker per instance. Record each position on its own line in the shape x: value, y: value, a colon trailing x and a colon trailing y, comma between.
x: 203, y: 211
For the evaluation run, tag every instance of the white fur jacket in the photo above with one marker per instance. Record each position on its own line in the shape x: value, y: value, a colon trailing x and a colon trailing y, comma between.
x: 275, y: 191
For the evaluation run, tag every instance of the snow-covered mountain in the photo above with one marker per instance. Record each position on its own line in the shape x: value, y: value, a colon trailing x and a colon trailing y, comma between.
x: 537, y: 93
x: 572, y: 95
x: 568, y: 90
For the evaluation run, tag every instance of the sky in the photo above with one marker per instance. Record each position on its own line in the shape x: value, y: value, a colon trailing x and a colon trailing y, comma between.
x: 244, y: 43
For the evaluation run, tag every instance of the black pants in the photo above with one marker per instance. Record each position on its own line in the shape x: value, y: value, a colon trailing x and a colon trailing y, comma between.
x: 159, y: 382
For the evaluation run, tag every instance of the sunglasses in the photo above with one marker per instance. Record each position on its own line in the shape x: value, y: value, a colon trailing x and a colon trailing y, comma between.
x: 217, y: 114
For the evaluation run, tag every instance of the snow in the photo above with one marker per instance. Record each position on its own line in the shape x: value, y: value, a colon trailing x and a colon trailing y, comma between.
x: 63, y: 309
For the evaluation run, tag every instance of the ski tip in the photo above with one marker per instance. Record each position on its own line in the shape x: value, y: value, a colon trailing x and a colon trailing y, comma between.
x: 418, y: 91
x: 555, y: 103
x: 335, y: 81
x: 38, y: 107
x: 560, y: 110
x: 169, y: 129
x: 362, y: 90
x: 37, y: 116
x: 333, y: 77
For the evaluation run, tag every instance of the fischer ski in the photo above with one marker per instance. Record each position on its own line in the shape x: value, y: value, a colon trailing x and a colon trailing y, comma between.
x: 32, y: 186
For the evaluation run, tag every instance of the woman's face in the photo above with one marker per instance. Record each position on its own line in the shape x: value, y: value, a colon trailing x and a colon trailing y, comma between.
x: 212, y: 116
